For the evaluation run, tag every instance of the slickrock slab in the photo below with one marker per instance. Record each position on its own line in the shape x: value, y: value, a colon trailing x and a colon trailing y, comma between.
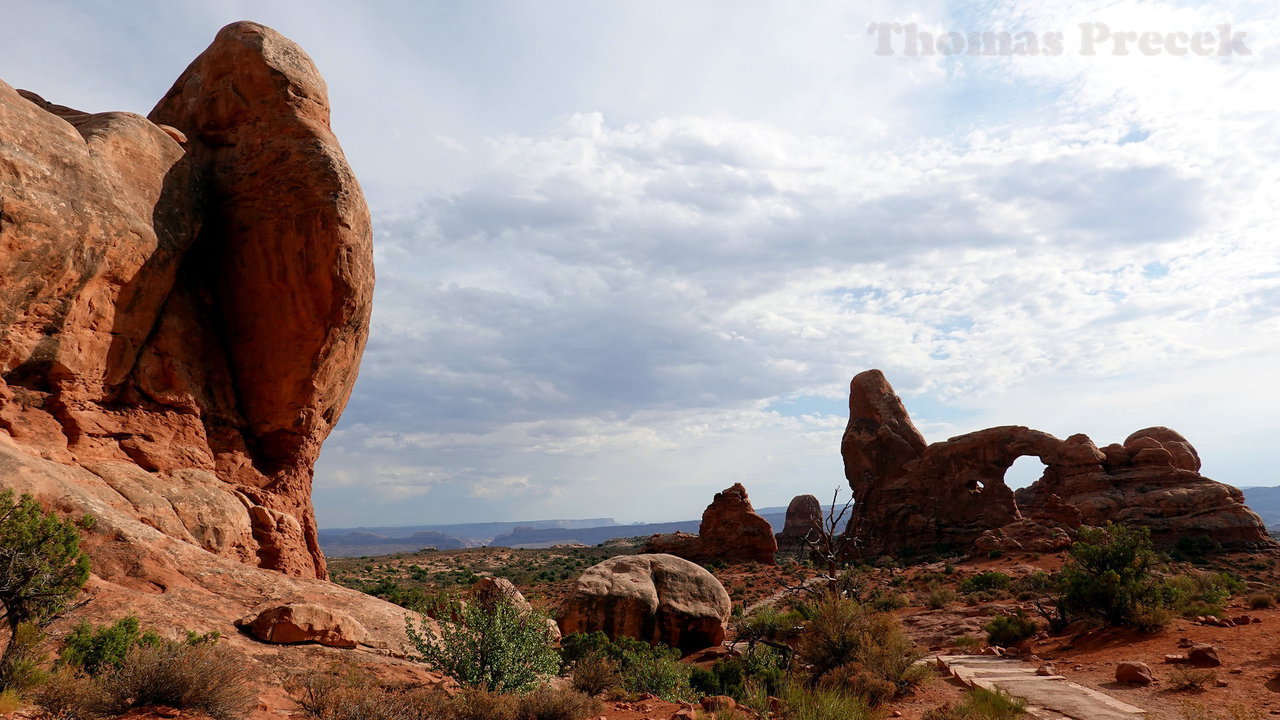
x: 1049, y: 697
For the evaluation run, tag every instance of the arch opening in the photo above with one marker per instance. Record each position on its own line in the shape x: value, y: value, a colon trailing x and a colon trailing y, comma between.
x: 1024, y: 471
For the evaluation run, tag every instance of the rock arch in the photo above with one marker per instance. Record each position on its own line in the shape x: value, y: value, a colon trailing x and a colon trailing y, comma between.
x: 910, y: 494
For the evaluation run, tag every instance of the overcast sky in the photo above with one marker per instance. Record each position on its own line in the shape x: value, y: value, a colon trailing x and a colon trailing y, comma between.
x: 631, y: 253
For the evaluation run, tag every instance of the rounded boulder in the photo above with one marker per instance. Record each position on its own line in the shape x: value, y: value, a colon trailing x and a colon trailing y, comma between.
x: 656, y: 598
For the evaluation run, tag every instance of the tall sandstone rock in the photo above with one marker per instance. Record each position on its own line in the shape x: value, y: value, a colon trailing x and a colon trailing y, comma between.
x: 731, y: 532
x: 912, y: 494
x: 184, y: 299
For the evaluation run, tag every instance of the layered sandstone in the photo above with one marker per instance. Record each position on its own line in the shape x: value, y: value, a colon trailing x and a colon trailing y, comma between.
x: 184, y: 299
x: 731, y: 531
x: 912, y: 494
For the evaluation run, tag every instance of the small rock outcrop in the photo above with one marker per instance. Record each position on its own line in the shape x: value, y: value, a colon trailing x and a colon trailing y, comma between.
x: 912, y: 494
x: 302, y: 623
x: 1133, y: 673
x: 730, y: 532
x: 804, y: 519
x: 653, y: 597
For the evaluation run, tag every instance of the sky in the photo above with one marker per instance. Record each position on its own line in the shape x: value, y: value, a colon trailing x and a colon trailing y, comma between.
x: 630, y: 253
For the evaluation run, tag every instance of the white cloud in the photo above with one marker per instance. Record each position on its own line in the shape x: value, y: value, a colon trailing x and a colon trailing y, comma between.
x: 624, y: 267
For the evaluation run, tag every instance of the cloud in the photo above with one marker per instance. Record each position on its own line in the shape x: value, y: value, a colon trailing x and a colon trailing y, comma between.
x: 627, y: 260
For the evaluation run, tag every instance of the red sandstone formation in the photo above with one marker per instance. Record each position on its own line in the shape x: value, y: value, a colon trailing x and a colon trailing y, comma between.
x: 804, y: 520
x: 184, y: 299
x: 909, y: 494
x: 730, y: 532
x: 656, y: 598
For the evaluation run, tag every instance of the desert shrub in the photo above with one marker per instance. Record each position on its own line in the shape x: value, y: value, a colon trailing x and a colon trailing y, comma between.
x: 202, y: 677
x: 198, y: 676
x: 351, y: 696
x: 843, y: 631
x: 887, y: 600
x: 479, y: 704
x: 496, y: 646
x: 659, y: 673
x: 980, y: 704
x: 548, y: 703
x: 967, y: 643
x: 823, y: 703
x: 41, y: 564
x: 1199, y: 593
x: 69, y: 694
x: 855, y: 678
x: 1194, y: 548
x: 759, y: 670
x: 95, y: 650
x: 1037, y: 584
x: 767, y: 624
x: 21, y: 668
x: 10, y: 701
x: 1261, y: 601
x: 1109, y: 576
x: 595, y: 674
x: 985, y: 581
x: 1009, y: 630
x: 644, y: 667
x: 938, y: 597
x: 1188, y: 678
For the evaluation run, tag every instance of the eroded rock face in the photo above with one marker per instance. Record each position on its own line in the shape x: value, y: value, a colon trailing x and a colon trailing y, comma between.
x: 909, y: 494
x: 804, y: 519
x: 731, y: 531
x: 184, y: 298
x: 656, y: 598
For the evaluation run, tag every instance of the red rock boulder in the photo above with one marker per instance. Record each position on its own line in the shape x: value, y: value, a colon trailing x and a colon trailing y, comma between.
x: 653, y: 597
x: 804, y: 520
x: 730, y: 532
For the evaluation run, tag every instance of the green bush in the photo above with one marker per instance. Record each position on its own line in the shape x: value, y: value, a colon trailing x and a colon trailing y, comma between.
x: 759, y: 669
x: 496, y: 646
x: 985, y: 581
x: 94, y: 650
x: 887, y: 600
x: 22, y: 667
x: 644, y: 667
x: 42, y: 567
x: 1199, y: 593
x: 1009, y: 630
x: 1194, y: 548
x: 938, y: 597
x: 1109, y: 576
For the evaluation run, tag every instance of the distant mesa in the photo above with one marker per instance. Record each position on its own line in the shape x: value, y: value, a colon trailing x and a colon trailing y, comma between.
x: 730, y: 532
x: 910, y: 494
